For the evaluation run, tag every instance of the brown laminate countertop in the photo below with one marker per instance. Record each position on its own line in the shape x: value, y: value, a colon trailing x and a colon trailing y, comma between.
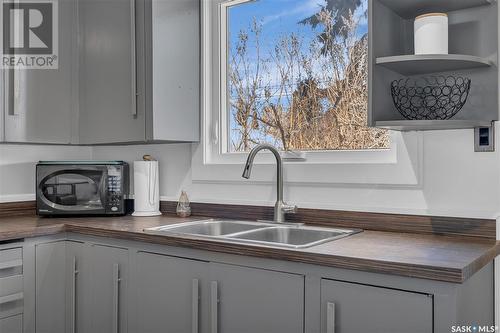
x: 434, y: 257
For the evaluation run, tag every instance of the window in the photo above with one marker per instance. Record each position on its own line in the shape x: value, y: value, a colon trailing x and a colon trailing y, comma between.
x: 294, y: 74
x: 395, y: 160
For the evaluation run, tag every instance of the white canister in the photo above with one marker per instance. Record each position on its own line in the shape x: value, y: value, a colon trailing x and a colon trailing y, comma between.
x: 431, y: 34
x: 146, y: 189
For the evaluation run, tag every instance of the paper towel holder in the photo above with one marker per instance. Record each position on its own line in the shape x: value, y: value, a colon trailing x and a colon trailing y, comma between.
x: 146, y: 187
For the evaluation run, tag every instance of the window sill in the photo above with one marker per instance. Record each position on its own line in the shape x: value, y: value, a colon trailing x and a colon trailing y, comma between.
x: 398, y: 166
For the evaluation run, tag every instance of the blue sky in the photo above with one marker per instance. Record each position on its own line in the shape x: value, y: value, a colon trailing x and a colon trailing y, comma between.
x: 279, y: 17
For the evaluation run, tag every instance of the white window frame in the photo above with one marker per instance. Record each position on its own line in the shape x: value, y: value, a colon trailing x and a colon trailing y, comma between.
x: 397, y: 165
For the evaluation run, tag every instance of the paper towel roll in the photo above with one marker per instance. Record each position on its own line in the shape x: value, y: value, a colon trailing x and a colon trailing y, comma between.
x: 146, y: 189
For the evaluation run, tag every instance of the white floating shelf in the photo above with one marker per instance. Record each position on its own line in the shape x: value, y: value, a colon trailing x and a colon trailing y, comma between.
x: 409, y: 9
x: 429, y: 125
x: 431, y: 63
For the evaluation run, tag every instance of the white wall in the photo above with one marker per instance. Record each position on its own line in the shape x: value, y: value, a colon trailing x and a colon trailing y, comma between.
x: 455, y: 181
x: 174, y: 161
x: 17, y: 167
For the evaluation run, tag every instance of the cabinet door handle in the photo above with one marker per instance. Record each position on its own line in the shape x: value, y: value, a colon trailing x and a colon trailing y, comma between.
x: 330, y: 317
x: 73, y: 295
x: 133, y: 28
x: 195, y: 304
x: 10, y: 92
x: 116, y: 298
x: 214, y: 307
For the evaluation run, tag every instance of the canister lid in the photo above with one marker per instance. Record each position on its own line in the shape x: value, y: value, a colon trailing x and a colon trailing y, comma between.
x: 430, y: 14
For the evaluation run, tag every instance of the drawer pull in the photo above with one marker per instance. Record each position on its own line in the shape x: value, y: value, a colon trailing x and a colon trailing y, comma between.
x: 330, y: 317
x: 196, y: 305
x: 11, y: 298
x: 116, y: 299
x: 11, y: 264
x: 214, y: 307
x: 73, y: 294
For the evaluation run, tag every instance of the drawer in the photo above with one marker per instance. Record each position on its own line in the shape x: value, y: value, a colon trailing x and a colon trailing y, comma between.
x: 12, y: 324
x: 11, y: 262
x: 11, y: 285
x: 11, y: 296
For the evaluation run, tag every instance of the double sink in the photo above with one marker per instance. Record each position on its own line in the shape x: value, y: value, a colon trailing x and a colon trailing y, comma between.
x: 286, y: 235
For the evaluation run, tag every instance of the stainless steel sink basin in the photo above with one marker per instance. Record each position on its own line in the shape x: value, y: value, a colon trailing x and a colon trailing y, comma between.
x: 292, y: 237
x: 207, y: 228
x: 261, y: 233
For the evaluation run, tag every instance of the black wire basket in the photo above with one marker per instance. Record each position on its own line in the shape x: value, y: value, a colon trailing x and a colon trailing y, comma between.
x: 430, y: 98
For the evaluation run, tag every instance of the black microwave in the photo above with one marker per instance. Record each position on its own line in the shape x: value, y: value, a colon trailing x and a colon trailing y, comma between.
x: 70, y: 188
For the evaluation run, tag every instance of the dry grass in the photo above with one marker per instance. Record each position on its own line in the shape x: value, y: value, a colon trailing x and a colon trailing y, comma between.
x: 319, y: 99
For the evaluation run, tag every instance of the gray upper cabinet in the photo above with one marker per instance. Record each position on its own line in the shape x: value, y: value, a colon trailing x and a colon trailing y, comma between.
x: 382, y: 310
x: 249, y: 300
x: 39, y: 105
x: 107, y: 73
x: 129, y: 72
x: 171, y: 65
x: 139, y: 71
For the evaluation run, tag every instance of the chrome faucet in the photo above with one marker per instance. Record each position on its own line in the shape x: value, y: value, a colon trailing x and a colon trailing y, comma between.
x: 280, y: 208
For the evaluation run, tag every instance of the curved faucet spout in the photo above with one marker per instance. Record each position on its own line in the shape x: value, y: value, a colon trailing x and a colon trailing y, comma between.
x: 280, y: 207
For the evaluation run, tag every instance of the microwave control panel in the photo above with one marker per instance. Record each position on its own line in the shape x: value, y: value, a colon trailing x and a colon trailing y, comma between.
x: 114, y: 202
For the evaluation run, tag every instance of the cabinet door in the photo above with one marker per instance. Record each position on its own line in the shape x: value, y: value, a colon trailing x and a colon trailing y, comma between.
x: 353, y: 308
x: 173, y: 70
x: 168, y: 294
x: 40, y: 103
x: 50, y: 285
x: 108, y: 112
x: 109, y: 289
x: 78, y: 285
x: 248, y: 300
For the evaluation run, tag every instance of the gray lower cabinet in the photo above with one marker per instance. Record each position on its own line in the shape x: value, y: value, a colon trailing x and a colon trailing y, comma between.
x: 354, y: 308
x: 85, y: 286
x: 183, y: 295
x: 78, y: 278
x: 168, y: 294
x: 62, y: 287
x: 109, y: 274
x: 81, y: 288
x: 50, y: 286
x: 11, y: 289
x: 250, y: 300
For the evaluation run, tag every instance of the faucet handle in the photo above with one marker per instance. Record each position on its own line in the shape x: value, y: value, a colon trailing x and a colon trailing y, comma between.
x: 289, y: 209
